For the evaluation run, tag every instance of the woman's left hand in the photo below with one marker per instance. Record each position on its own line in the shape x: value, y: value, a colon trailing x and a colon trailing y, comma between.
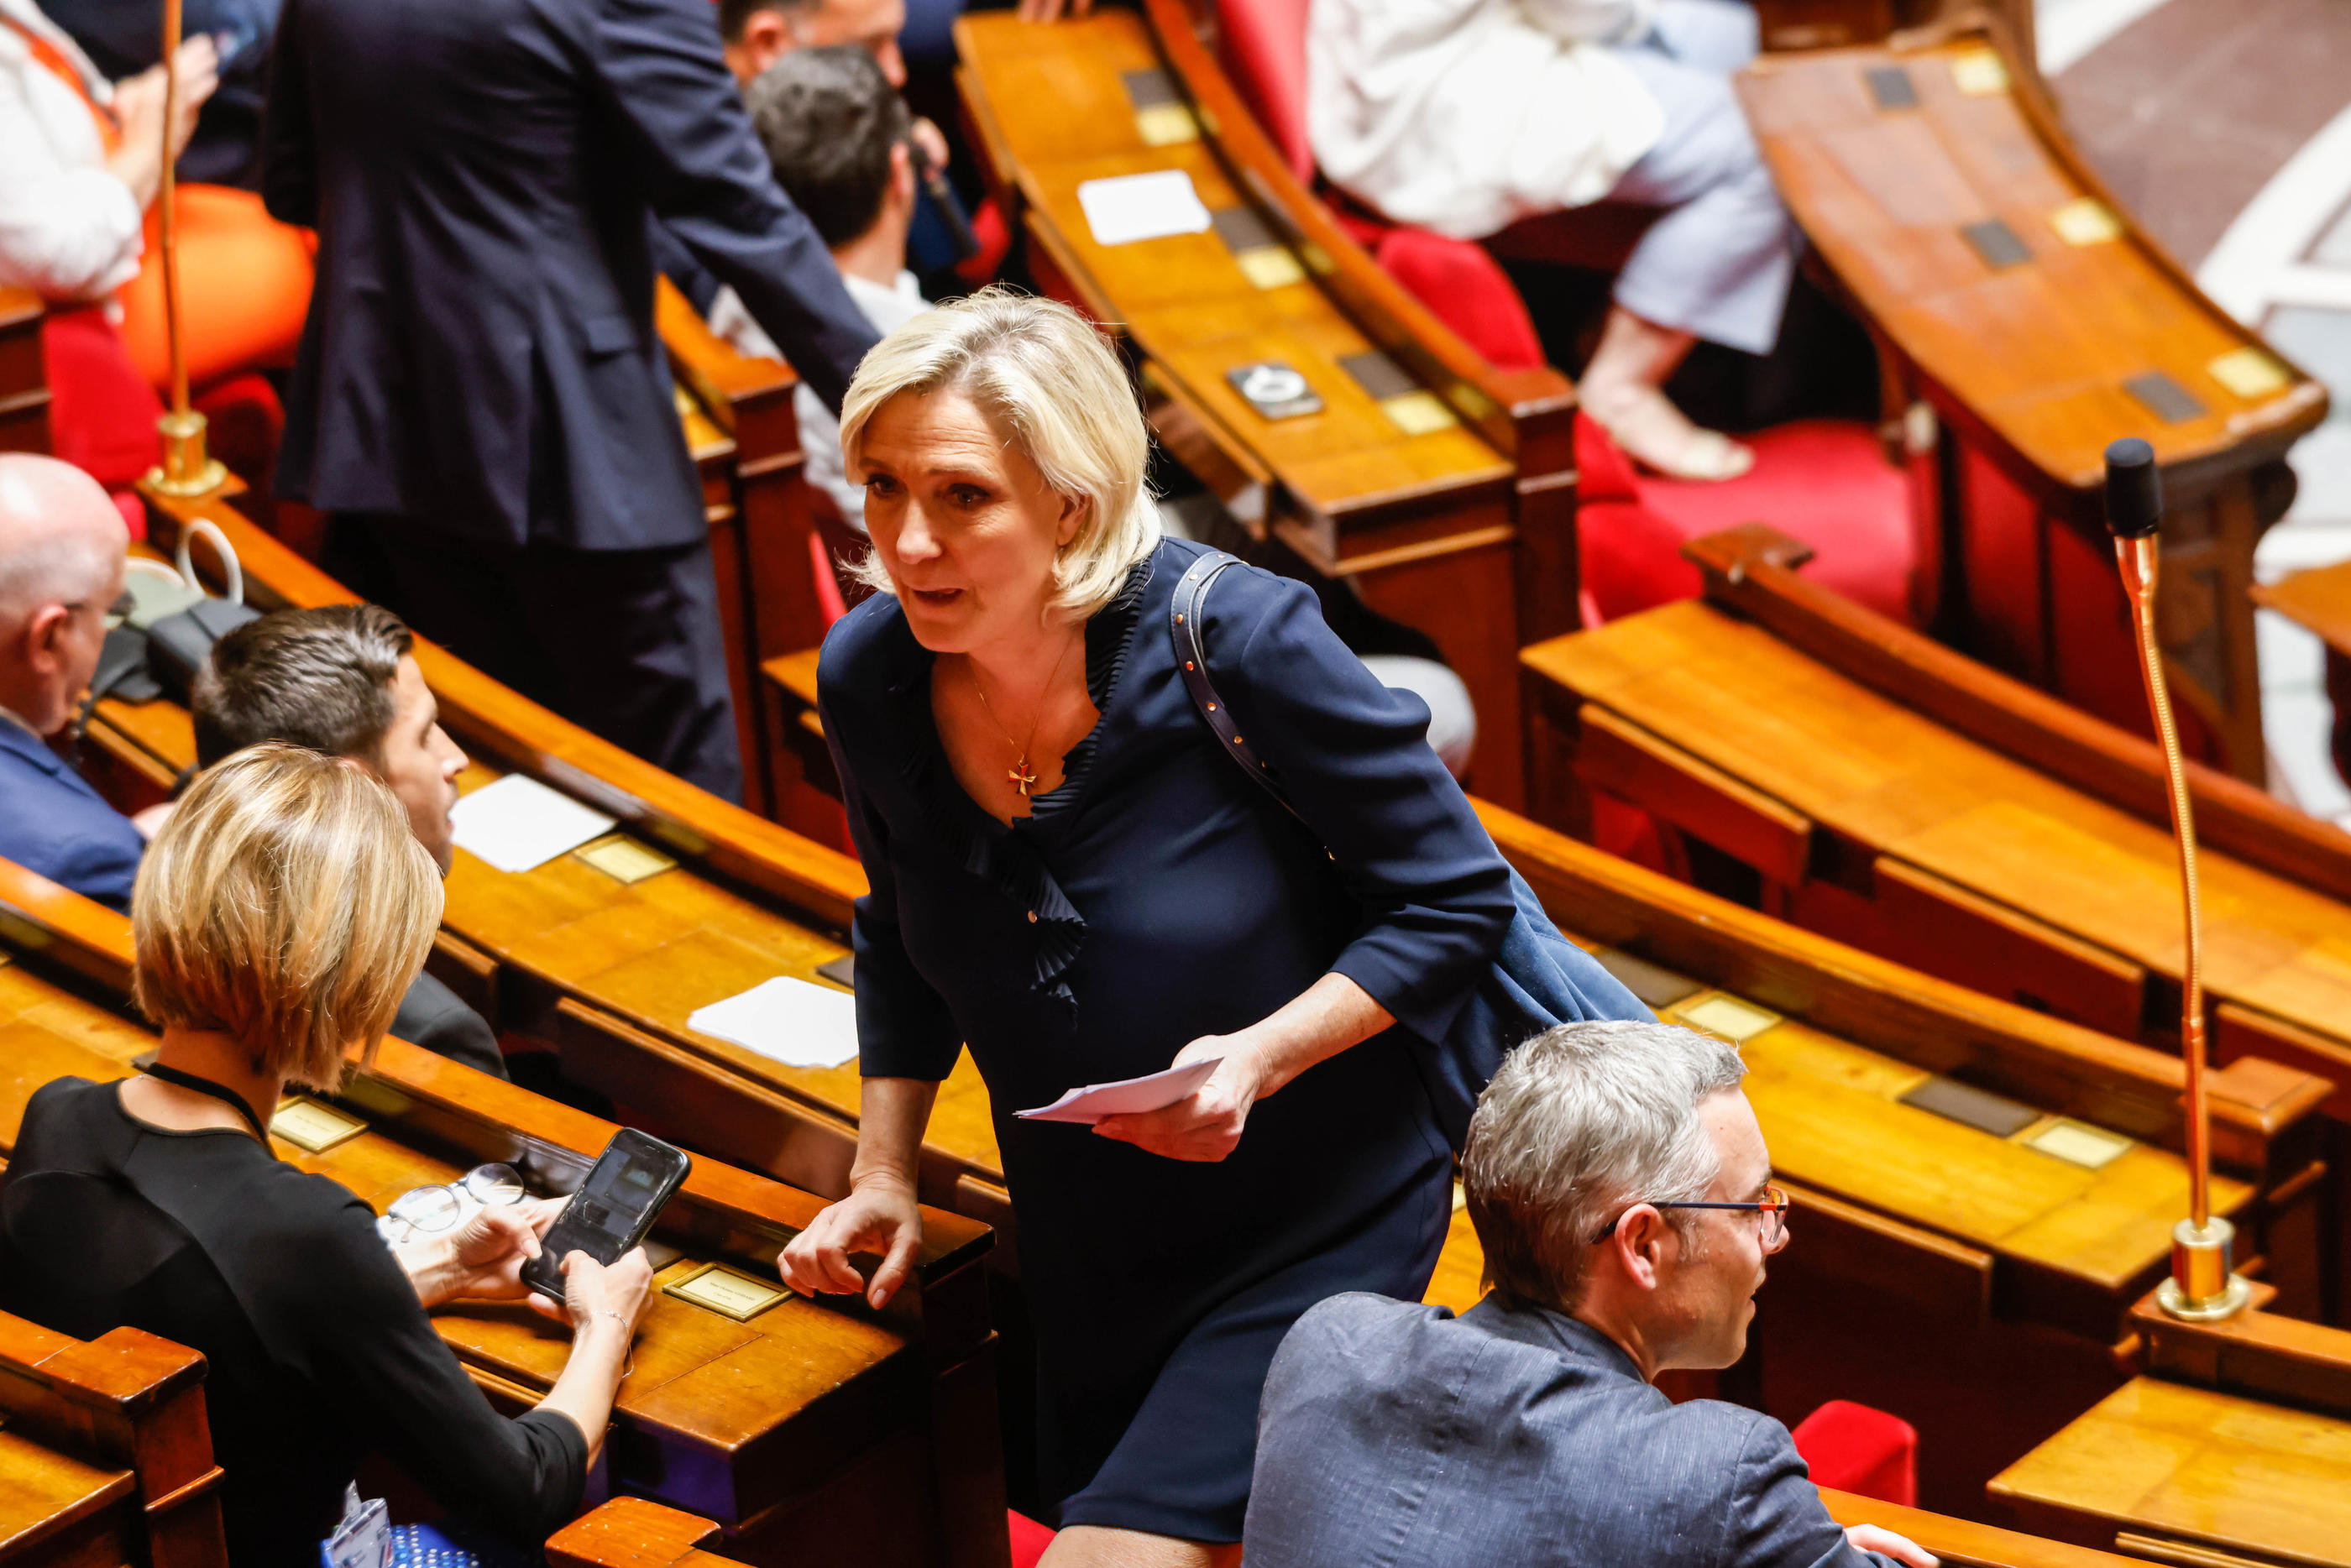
x: 1206, y: 1124
x: 482, y: 1260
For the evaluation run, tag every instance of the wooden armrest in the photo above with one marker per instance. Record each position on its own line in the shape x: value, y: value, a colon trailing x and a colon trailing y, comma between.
x: 1963, y: 1543
x: 630, y: 1532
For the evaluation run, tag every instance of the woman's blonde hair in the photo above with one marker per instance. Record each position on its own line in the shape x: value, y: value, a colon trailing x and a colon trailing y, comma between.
x: 1043, y: 370
x: 285, y: 904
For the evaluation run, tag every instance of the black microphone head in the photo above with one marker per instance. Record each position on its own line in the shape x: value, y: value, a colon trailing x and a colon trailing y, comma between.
x: 2133, y: 489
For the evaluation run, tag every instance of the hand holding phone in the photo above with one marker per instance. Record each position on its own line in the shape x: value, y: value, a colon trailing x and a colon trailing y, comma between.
x: 613, y: 1210
x: 592, y: 1289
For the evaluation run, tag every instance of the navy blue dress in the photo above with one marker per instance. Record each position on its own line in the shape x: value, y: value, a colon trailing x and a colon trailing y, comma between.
x: 1157, y: 896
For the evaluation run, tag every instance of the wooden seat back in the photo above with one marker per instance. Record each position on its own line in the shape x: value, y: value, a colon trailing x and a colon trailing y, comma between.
x: 105, y: 1453
x: 24, y: 376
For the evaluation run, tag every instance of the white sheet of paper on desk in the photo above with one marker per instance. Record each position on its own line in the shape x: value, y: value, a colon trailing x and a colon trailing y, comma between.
x: 1152, y: 1092
x: 517, y: 824
x: 1131, y: 207
x: 795, y: 1021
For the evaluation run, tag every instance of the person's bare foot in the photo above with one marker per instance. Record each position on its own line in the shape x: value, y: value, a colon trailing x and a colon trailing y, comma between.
x: 1644, y: 422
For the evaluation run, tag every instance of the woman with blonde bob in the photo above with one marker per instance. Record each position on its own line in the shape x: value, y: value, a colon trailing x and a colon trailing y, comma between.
x: 278, y: 918
x: 1070, y: 874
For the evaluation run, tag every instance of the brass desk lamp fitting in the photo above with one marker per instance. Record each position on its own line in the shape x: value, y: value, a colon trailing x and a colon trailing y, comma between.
x: 2204, y: 1286
x: 186, y: 469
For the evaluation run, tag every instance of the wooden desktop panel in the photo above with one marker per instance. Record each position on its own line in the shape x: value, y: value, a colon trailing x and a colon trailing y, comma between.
x: 787, y: 1428
x: 1443, y: 490
x: 1885, y: 791
x: 2020, y: 299
x: 2233, y: 1448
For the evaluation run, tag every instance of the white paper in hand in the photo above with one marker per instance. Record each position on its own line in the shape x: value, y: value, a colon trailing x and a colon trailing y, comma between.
x: 1131, y: 207
x: 517, y: 824
x: 785, y: 1019
x: 1152, y: 1092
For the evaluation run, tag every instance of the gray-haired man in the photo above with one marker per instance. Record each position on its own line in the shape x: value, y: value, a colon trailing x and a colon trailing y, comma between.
x: 1620, y: 1184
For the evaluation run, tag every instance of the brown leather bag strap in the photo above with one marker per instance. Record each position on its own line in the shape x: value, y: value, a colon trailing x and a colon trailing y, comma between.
x: 1184, y: 611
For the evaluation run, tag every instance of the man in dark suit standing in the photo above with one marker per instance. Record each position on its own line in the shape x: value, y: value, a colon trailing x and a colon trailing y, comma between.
x: 1619, y: 1182
x: 480, y: 400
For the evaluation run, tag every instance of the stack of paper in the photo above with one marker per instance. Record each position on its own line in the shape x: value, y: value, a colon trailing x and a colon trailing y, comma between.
x: 1152, y: 1092
x: 795, y: 1021
x: 517, y: 824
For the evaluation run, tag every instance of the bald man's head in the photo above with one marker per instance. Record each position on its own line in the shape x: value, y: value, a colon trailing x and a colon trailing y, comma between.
x: 62, y: 543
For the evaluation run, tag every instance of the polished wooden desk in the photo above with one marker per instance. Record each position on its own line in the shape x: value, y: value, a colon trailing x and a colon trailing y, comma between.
x: 608, y: 972
x: 105, y: 1457
x: 630, y: 1532
x: 814, y: 1431
x: 2233, y: 1449
x: 2320, y: 601
x: 2014, y: 296
x: 24, y: 374
x: 1886, y: 791
x: 1440, y: 488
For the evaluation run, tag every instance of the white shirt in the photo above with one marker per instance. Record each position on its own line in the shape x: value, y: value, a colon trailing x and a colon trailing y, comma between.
x: 1464, y: 116
x: 888, y: 309
x: 69, y: 230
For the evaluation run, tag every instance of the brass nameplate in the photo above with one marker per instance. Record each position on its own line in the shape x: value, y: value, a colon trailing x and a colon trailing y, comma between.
x: 2249, y: 373
x: 1270, y: 266
x: 624, y: 859
x: 1166, y: 125
x: 1418, y: 413
x: 307, y: 1124
x: 1727, y: 1017
x: 2085, y: 221
x: 721, y: 1290
x: 1980, y: 73
x: 2094, y: 1148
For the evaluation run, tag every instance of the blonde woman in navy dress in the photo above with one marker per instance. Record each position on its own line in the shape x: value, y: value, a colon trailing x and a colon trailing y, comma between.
x: 1071, y: 876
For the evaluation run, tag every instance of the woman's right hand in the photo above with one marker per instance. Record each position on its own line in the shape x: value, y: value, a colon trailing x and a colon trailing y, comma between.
x: 592, y: 1289
x: 880, y: 1215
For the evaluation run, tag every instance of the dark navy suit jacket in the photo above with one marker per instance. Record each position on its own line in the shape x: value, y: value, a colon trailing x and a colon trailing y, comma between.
x: 1395, y: 1435
x: 52, y: 823
x: 480, y: 353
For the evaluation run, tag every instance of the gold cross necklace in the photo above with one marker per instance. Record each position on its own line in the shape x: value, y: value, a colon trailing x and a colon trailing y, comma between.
x: 1020, y: 775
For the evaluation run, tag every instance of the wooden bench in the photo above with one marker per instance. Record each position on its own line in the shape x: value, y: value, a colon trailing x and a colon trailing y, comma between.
x: 814, y: 1428
x: 105, y: 1458
x: 2012, y: 296
x: 1440, y: 488
x: 2233, y: 1449
x: 1884, y: 789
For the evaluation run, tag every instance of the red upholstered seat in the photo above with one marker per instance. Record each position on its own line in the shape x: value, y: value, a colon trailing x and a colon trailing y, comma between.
x: 1029, y: 1539
x: 1852, y: 1448
x: 1824, y: 481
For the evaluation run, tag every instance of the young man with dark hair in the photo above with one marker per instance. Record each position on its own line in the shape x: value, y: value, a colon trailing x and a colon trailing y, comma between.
x: 837, y: 135
x: 342, y: 680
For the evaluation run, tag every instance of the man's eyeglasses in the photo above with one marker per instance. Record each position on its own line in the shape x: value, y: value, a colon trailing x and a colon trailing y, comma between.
x: 1771, y: 1215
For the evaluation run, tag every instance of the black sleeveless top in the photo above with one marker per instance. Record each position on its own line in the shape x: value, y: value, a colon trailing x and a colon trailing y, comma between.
x: 317, y: 1348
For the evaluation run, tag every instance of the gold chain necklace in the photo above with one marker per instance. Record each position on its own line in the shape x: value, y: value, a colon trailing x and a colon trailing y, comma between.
x: 1020, y: 775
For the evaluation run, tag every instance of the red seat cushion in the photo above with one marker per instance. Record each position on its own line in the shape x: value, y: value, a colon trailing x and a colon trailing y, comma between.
x: 103, y: 412
x: 1824, y: 482
x: 1467, y: 290
x: 1852, y: 1448
x: 1029, y: 1539
x: 1262, y: 46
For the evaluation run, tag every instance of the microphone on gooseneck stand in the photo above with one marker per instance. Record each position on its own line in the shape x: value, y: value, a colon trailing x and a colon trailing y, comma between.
x: 2204, y: 1286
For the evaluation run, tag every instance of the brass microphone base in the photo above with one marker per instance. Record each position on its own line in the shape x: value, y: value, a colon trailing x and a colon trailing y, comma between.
x: 2204, y: 1287
x: 186, y: 469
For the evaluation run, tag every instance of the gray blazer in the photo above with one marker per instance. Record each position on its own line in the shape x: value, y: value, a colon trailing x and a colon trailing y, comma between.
x: 1398, y: 1436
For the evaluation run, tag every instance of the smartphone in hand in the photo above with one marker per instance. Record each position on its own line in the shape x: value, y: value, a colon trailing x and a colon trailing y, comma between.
x: 614, y: 1209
